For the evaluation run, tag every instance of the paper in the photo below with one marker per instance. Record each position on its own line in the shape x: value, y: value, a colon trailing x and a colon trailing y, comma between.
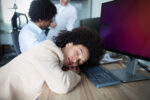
x: 107, y: 59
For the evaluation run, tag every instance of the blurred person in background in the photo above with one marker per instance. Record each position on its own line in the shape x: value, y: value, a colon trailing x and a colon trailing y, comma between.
x: 64, y: 20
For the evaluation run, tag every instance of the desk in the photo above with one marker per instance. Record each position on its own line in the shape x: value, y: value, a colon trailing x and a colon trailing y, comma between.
x: 139, y: 90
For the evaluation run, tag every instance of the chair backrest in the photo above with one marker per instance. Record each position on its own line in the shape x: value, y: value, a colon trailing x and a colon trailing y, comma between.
x: 15, y: 35
x: 93, y: 23
x: 17, y: 24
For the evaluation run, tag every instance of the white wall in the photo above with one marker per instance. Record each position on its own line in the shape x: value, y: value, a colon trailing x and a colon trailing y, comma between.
x: 0, y: 13
x: 96, y: 7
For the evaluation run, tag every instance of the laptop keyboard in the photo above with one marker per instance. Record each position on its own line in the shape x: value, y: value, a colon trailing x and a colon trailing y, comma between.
x: 100, y: 77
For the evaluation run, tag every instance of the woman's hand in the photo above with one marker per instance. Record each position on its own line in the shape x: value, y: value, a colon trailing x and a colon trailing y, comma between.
x: 74, y: 69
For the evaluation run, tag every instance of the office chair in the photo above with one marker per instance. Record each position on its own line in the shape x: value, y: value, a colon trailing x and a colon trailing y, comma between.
x: 17, y: 25
x: 93, y: 23
x: 14, y: 35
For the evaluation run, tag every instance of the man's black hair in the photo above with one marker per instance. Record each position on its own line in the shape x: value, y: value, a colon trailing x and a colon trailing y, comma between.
x: 84, y: 36
x: 42, y: 9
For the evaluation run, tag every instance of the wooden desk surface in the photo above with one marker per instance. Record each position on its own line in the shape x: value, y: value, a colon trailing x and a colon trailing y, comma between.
x: 139, y: 90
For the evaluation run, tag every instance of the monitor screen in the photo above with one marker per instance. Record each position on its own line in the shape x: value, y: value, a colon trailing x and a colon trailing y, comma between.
x: 125, y: 27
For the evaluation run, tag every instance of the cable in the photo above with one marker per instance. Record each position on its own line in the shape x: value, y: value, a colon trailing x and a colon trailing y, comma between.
x: 145, y: 67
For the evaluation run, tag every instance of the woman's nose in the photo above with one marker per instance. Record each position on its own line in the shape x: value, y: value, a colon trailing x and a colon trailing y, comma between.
x: 75, y: 60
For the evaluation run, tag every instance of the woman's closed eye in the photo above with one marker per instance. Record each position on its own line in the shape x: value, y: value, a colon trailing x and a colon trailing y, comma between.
x: 81, y: 57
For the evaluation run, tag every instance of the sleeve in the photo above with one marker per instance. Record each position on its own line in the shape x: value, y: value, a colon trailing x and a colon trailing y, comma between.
x: 27, y: 40
x: 60, y: 81
x: 71, y: 20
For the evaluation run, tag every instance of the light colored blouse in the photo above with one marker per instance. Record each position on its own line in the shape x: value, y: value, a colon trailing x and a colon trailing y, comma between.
x: 24, y: 76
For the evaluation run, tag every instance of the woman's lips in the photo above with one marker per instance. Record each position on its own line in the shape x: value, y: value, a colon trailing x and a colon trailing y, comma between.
x: 69, y: 61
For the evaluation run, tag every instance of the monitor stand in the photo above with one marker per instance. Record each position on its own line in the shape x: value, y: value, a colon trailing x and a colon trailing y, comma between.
x: 129, y: 73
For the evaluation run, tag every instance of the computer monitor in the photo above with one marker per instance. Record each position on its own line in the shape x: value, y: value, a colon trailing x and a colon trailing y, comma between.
x: 125, y: 28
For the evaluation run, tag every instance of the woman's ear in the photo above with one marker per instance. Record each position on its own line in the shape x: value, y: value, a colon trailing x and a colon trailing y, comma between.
x: 69, y: 44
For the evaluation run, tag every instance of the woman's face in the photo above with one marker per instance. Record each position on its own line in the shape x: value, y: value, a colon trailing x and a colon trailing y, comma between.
x: 75, y: 55
x: 44, y: 23
x: 64, y: 2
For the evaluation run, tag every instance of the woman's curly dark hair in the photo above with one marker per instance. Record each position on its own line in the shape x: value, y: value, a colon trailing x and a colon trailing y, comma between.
x: 42, y: 9
x: 84, y: 36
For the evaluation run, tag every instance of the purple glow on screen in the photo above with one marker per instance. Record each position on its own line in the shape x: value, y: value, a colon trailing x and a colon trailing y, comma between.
x: 125, y: 26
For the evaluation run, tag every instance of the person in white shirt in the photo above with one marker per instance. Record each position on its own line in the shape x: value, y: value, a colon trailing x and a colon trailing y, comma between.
x: 23, y: 77
x: 41, y: 13
x: 64, y: 20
